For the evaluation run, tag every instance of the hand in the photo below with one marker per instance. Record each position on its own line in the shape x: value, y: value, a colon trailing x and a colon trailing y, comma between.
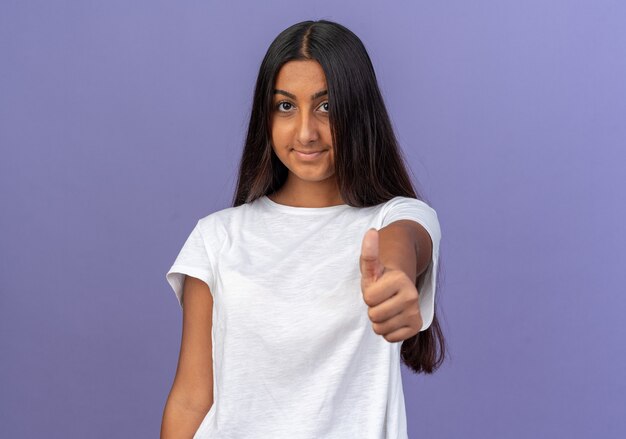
x: 390, y: 294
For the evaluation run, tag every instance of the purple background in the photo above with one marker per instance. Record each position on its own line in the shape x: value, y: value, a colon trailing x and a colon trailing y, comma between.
x: 121, y: 124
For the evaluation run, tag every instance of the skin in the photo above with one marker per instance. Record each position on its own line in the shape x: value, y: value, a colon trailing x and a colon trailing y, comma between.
x: 392, y: 257
x: 191, y: 395
x: 300, y: 123
x: 391, y: 260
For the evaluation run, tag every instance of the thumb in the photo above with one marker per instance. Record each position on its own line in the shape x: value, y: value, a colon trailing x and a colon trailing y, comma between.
x: 371, y: 267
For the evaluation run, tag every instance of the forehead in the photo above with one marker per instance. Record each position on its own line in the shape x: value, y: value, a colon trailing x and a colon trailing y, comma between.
x: 301, y: 77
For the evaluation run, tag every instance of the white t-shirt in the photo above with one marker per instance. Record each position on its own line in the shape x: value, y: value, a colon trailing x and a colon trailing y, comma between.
x: 294, y: 352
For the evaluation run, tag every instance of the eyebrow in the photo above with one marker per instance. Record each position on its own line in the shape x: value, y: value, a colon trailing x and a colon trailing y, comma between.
x: 292, y: 96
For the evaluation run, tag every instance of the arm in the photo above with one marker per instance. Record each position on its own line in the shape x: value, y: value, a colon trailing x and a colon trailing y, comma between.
x: 391, y: 260
x: 191, y: 395
x: 405, y: 245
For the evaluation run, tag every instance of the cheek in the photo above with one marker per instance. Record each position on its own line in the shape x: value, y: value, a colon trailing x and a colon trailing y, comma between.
x: 278, y: 134
x: 328, y: 138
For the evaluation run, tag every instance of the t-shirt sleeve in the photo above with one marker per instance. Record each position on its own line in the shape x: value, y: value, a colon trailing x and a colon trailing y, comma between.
x: 399, y: 208
x: 193, y: 260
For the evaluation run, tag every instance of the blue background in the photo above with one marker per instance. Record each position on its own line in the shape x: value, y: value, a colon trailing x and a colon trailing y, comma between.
x: 122, y: 123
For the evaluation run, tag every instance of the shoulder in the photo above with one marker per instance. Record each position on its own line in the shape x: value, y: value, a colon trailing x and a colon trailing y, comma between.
x: 216, y: 223
x: 401, y: 202
x: 400, y: 207
x: 217, y: 217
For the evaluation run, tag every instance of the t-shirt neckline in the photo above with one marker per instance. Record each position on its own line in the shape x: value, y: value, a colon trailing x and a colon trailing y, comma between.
x: 307, y: 210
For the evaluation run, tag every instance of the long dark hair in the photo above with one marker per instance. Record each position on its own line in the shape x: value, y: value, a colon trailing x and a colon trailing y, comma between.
x: 369, y: 165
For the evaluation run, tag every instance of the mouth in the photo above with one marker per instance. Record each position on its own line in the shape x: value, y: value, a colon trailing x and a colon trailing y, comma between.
x: 310, y: 155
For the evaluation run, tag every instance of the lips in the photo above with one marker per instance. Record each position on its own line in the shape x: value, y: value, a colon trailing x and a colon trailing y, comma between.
x: 310, y: 152
x: 310, y: 156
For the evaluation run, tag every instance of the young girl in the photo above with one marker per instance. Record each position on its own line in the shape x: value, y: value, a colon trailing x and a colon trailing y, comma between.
x: 295, y: 313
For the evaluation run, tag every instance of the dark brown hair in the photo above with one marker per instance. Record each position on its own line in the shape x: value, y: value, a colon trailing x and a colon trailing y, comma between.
x: 369, y: 165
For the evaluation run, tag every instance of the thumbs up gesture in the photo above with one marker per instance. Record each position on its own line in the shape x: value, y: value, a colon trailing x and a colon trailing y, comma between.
x: 390, y: 294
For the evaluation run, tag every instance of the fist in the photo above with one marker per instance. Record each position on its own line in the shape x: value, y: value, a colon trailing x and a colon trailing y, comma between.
x: 391, y: 296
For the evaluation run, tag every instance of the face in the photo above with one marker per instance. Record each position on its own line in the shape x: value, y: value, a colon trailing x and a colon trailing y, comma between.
x: 300, y: 129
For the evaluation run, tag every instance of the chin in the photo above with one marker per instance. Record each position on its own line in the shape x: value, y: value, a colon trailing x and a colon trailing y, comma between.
x: 312, y: 176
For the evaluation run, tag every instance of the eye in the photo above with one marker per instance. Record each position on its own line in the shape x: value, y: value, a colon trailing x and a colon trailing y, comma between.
x: 278, y: 106
x: 282, y: 109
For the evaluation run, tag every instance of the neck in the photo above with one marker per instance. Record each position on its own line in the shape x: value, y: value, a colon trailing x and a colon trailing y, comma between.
x: 301, y: 193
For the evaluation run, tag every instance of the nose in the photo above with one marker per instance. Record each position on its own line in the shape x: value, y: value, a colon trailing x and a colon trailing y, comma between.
x: 307, y: 129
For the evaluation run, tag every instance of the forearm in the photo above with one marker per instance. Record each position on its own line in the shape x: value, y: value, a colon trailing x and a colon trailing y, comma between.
x: 181, y: 421
x: 400, y: 249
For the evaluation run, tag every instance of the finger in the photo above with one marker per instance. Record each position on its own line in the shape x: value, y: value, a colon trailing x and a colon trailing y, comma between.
x: 400, y: 334
x: 371, y: 267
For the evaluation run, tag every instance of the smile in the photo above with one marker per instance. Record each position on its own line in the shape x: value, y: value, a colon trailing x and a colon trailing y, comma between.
x: 309, y: 156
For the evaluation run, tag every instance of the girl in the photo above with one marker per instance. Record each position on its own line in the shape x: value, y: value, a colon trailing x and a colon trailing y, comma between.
x: 295, y: 313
